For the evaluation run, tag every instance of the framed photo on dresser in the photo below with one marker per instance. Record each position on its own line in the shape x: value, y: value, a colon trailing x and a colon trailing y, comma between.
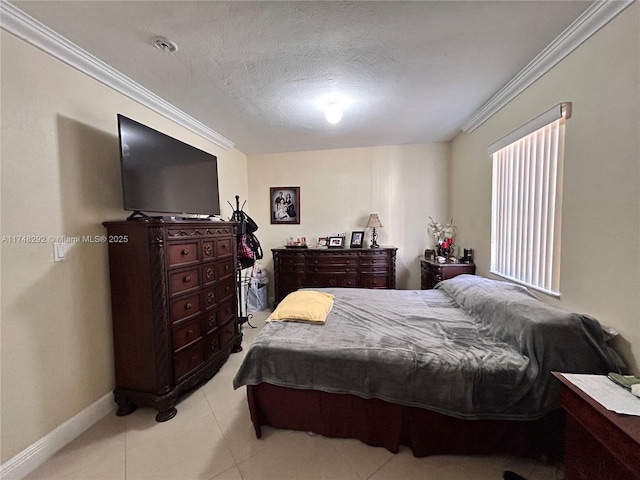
x: 336, y: 242
x: 356, y: 239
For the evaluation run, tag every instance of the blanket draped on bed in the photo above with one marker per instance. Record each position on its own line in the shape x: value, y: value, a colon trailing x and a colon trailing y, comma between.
x: 473, y: 348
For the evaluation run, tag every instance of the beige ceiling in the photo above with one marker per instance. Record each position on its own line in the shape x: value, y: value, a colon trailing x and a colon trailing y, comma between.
x: 258, y: 72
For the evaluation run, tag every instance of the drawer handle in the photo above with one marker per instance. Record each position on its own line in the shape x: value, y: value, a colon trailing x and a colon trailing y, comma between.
x: 188, y: 306
x: 373, y: 261
x: 209, y: 273
x: 186, y: 279
x: 346, y: 269
x: 207, y: 249
x: 210, y: 297
x: 190, y: 332
x: 185, y: 251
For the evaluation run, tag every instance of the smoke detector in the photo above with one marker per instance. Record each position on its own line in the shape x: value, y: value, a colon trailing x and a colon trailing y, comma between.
x: 164, y: 44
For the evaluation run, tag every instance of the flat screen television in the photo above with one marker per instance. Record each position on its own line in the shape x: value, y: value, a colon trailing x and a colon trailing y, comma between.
x: 161, y: 174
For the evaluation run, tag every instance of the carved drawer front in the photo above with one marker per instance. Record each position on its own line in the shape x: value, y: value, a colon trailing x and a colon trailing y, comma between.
x: 211, y: 346
x: 227, y: 334
x: 208, y: 273
x: 290, y: 283
x: 208, y: 250
x: 210, y: 321
x: 224, y: 247
x: 224, y: 269
x: 297, y: 268
x: 374, y: 281
x: 184, y: 308
x: 348, y: 281
x: 183, y: 254
x: 291, y: 259
x: 333, y: 281
x: 227, y: 311
x: 209, y: 297
x: 186, y: 334
x: 187, y: 361
x: 225, y: 289
x: 183, y: 281
x: 344, y: 259
x: 372, y: 262
x: 329, y: 269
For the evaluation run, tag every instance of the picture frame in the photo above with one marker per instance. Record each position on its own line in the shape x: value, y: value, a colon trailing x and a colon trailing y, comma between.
x: 323, y: 241
x: 336, y: 242
x: 285, y: 205
x: 357, y: 239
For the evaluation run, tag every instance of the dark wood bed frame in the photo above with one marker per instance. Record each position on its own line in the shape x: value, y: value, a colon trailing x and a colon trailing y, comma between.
x: 383, y: 424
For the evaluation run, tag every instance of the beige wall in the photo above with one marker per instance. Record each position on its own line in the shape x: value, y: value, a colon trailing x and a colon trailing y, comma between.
x: 340, y: 188
x: 61, y: 176
x: 600, y: 272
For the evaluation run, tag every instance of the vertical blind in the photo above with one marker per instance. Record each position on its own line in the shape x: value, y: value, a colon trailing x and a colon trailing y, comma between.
x: 527, y: 204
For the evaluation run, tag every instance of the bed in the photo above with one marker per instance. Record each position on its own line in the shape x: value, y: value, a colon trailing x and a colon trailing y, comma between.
x: 464, y: 368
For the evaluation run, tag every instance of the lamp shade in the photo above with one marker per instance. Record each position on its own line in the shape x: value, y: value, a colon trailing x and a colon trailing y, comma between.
x: 374, y: 221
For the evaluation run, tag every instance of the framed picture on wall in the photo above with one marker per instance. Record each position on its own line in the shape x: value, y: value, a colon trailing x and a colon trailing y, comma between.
x: 356, y: 239
x: 285, y: 205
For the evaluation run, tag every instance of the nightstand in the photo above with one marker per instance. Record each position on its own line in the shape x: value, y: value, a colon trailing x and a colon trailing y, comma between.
x: 431, y: 272
x: 599, y: 444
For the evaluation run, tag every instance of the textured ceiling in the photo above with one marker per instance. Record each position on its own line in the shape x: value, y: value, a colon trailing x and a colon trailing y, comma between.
x: 259, y: 72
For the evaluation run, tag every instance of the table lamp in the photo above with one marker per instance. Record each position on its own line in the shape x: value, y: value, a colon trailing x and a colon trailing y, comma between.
x: 374, y: 222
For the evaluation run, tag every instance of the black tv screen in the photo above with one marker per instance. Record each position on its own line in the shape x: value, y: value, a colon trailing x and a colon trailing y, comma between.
x: 164, y: 175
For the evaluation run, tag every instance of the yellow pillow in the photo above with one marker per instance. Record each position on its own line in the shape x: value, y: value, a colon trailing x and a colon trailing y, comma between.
x: 303, y: 306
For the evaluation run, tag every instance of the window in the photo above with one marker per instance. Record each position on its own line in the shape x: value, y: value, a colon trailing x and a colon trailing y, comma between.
x: 527, y: 202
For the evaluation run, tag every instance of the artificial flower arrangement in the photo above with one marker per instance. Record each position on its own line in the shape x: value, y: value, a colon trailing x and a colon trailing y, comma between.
x: 444, y: 236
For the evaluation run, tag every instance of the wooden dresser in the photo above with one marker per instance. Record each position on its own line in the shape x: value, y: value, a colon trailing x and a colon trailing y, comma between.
x: 431, y: 272
x: 340, y: 267
x: 599, y: 444
x: 173, y: 297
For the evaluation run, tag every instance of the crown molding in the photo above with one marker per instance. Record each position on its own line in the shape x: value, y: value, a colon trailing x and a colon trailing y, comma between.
x: 591, y: 20
x: 25, y: 27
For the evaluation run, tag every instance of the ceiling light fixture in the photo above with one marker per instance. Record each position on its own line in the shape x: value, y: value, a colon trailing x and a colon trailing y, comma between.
x: 333, y: 112
x: 164, y: 44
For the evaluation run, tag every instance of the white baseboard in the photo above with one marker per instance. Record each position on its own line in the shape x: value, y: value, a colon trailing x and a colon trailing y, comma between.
x: 35, y: 455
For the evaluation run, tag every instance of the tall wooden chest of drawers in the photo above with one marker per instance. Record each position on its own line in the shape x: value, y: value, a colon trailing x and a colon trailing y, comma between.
x: 343, y: 267
x: 173, y: 297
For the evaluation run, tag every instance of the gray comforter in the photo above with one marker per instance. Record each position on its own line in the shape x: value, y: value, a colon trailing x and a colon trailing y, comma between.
x: 473, y: 348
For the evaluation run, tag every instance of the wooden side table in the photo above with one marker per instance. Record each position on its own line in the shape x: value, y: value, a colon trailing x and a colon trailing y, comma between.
x: 431, y: 272
x: 599, y: 444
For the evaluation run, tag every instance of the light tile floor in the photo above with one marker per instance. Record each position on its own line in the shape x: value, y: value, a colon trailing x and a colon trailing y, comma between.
x: 212, y: 437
